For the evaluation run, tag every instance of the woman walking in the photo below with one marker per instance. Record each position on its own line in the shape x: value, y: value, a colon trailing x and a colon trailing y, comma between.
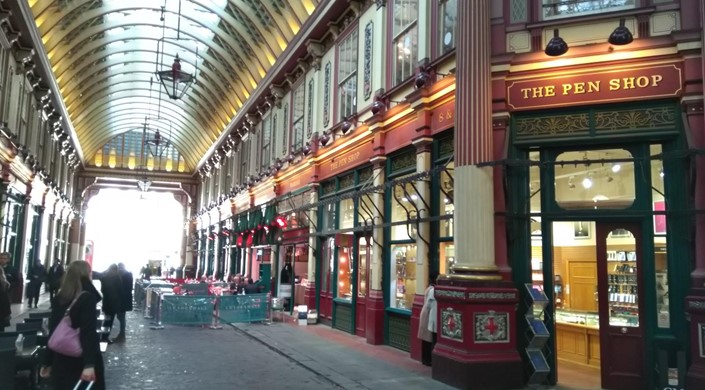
x: 78, y: 293
x: 5, y: 310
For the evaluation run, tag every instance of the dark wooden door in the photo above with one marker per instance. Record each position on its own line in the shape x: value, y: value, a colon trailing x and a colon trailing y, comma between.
x: 326, y: 274
x: 621, y: 300
x: 364, y: 253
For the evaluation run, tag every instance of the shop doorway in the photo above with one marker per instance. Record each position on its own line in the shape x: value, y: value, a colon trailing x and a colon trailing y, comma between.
x: 599, y: 336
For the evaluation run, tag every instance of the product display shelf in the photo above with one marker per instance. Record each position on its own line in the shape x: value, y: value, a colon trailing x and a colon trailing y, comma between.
x: 537, y: 334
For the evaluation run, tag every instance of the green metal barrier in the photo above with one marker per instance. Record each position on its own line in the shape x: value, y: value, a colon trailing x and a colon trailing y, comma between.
x: 187, y: 310
x: 243, y: 308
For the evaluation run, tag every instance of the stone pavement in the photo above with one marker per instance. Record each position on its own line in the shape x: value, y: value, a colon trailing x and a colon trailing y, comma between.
x: 281, y: 355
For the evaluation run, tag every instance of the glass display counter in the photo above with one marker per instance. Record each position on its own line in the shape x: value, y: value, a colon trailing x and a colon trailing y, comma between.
x: 578, y: 337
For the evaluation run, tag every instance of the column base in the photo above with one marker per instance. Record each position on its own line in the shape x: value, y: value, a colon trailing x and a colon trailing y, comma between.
x: 476, y: 342
x: 695, y: 307
x: 310, y: 296
x: 414, y: 341
x: 374, y: 318
x: 482, y: 371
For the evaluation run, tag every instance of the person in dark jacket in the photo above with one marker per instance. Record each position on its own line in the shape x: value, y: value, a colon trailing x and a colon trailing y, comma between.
x: 65, y: 371
x: 125, y: 300
x: 54, y: 275
x: 37, y: 276
x: 11, y: 274
x: 251, y: 287
x: 110, y: 286
x: 5, y: 307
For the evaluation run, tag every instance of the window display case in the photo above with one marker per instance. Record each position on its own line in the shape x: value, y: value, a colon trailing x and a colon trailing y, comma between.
x: 578, y: 337
x: 404, y: 277
x: 578, y: 317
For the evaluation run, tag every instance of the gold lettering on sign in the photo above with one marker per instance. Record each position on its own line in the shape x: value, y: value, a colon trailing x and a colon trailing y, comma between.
x: 586, y: 87
x: 445, y: 116
x: 344, y: 160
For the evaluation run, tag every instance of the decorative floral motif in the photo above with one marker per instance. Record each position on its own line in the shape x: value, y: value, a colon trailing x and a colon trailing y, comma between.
x: 367, y: 73
x: 491, y: 327
x: 309, y: 115
x: 326, y: 95
x: 635, y: 119
x: 554, y: 125
x: 452, y: 324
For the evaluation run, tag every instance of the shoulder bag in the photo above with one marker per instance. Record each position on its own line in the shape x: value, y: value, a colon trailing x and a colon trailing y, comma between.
x: 65, y: 339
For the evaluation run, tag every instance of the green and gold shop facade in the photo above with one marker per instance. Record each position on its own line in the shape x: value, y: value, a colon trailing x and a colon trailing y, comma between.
x: 599, y: 215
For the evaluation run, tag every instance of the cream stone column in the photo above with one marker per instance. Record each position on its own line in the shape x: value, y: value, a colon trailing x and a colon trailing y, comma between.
x: 376, y: 260
x: 474, y: 211
x: 423, y: 186
x: 476, y: 314
x: 312, y: 238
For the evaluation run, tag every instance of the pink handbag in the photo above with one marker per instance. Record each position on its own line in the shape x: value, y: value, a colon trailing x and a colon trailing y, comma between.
x: 65, y: 339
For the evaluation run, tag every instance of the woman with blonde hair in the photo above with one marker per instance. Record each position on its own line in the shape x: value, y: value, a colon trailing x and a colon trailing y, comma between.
x: 77, y: 298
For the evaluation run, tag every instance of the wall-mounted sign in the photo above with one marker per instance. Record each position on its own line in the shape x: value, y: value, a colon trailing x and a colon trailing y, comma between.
x: 595, y: 86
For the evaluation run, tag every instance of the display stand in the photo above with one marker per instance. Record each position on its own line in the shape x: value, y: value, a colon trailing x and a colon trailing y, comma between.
x: 537, y: 334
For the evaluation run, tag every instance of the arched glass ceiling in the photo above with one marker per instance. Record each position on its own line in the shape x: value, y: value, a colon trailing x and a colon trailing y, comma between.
x: 104, y: 55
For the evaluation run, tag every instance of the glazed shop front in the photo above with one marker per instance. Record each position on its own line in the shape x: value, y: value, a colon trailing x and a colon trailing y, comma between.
x: 598, y: 208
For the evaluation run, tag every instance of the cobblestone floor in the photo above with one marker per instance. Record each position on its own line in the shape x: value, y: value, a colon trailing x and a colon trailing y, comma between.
x: 186, y: 358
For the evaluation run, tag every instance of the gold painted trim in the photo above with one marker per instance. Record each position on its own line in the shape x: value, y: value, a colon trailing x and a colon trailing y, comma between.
x: 475, y: 268
x: 474, y: 277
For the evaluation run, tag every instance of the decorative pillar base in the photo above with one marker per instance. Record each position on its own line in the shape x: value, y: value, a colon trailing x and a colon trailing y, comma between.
x: 695, y: 307
x: 374, y: 318
x: 414, y: 341
x: 310, y: 295
x: 476, y: 344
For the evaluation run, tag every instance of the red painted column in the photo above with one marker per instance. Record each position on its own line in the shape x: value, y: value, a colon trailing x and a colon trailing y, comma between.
x: 695, y: 302
x: 476, y: 345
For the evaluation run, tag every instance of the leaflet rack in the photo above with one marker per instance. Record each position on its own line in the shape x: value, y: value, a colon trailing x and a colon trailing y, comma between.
x: 537, y: 334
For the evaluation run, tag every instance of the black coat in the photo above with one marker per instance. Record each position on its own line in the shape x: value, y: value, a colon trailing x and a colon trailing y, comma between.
x: 12, y: 276
x: 65, y: 370
x: 54, y: 276
x: 37, y: 274
x: 5, y: 308
x: 110, y: 286
x: 126, y: 290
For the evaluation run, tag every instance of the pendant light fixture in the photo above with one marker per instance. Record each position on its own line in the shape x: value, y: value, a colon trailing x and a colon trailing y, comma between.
x: 556, y: 46
x: 621, y: 35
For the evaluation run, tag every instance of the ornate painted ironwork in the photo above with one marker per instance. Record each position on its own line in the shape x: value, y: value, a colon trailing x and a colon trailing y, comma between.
x: 554, y: 125
x: 286, y: 130
x: 446, y: 146
x: 326, y: 95
x: 367, y: 72
x: 403, y: 161
x: 347, y: 181
x: 309, y: 115
x: 328, y: 188
x: 646, y: 118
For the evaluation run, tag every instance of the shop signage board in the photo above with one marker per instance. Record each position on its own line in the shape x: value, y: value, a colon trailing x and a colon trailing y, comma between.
x: 595, y: 86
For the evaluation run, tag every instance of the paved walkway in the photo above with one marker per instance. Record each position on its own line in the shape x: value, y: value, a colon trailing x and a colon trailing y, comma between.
x: 256, y: 356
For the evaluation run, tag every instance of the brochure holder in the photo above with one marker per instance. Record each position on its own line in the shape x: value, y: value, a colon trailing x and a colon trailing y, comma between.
x: 537, y: 334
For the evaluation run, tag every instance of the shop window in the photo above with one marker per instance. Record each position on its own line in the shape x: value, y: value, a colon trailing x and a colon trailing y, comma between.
x: 297, y: 125
x: 447, y: 25
x: 660, y: 240
x: 594, y: 179
x: 405, y: 38
x: 365, y: 213
x: 622, y: 292
x: 347, y: 75
x: 364, y: 254
x: 327, y: 264
x: 403, y: 280
x: 554, y: 9
x: 328, y: 217
x: 445, y: 201
x: 405, y: 202
x: 347, y: 214
x: 345, y: 271
x: 447, y: 257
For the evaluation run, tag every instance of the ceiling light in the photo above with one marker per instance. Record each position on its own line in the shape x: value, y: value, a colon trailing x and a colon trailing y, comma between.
x: 616, y: 167
x: 587, y: 182
x: 621, y: 35
x: 660, y: 172
x: 175, y: 81
x: 556, y: 46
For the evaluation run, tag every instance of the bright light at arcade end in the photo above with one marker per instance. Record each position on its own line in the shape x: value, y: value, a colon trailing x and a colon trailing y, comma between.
x: 620, y: 36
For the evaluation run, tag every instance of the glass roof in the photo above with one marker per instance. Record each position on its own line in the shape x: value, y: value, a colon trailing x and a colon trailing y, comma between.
x: 105, y: 55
